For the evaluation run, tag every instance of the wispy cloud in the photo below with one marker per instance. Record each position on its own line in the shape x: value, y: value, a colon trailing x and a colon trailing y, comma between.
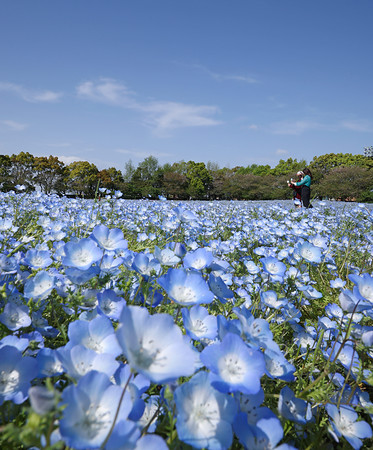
x: 106, y: 90
x: 282, y: 151
x: 253, y: 126
x: 12, y: 125
x: 225, y: 76
x: 142, y: 153
x: 296, y: 127
x: 30, y: 95
x: 161, y: 115
x: 362, y: 126
x: 69, y: 159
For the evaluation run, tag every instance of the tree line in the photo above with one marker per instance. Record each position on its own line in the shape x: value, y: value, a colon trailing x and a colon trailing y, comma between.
x: 340, y: 176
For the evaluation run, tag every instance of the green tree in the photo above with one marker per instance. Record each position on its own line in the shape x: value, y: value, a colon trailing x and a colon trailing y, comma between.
x: 22, y: 170
x: 82, y: 178
x: 347, y: 183
x: 289, y: 167
x: 49, y: 174
x: 5, y: 165
x: 111, y: 178
x: 199, y: 180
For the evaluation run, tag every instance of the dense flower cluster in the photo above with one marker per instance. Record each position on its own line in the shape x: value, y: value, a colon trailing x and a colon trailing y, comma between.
x: 139, y: 324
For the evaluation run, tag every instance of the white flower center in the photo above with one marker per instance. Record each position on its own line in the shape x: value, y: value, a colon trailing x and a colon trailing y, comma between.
x: 8, y: 381
x: 231, y: 368
x: 183, y: 294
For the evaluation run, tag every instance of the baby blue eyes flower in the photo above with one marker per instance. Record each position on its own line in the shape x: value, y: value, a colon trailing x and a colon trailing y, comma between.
x: 234, y: 366
x: 15, y: 316
x: 344, y: 423
x: 337, y: 283
x: 219, y: 288
x: 198, y: 260
x: 97, y: 335
x: 186, y: 288
x: 109, y: 239
x: 16, y: 372
x: 309, y: 252
x: 82, y: 254
x: 205, y: 416
x: 40, y: 286
x: 364, y: 287
x: 91, y: 406
x: 109, y: 304
x: 293, y: 408
x: 273, y: 267
x: 199, y: 324
x: 37, y: 259
x: 154, y: 345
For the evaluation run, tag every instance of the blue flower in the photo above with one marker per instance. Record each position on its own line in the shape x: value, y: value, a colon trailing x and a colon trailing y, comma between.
x: 364, y: 287
x: 198, y: 260
x: 97, y: 334
x: 15, y: 316
x: 16, y: 372
x: 37, y: 259
x: 109, y: 304
x: 90, y: 410
x: 186, y: 288
x: 82, y: 254
x: 204, y: 415
x: 344, y: 423
x: 199, y: 324
x: 219, y: 288
x: 109, y: 239
x: 266, y: 433
x: 234, y: 366
x: 78, y: 361
x: 292, y: 408
x: 273, y: 267
x: 154, y: 345
x: 309, y: 252
x: 40, y: 286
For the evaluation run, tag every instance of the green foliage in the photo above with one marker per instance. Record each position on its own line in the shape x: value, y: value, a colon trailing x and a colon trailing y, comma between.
x: 82, y: 178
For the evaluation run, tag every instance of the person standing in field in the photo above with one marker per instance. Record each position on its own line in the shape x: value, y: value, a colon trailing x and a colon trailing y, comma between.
x: 297, y: 197
x: 305, y: 183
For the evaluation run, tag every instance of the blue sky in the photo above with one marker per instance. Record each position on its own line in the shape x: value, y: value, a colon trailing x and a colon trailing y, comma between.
x: 234, y: 82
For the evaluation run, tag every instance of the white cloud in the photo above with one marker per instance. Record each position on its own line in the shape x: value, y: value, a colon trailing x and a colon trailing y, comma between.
x: 161, y: 115
x: 362, y: 126
x: 295, y: 127
x: 253, y: 127
x: 226, y: 77
x: 106, y: 90
x: 14, y: 126
x: 69, y: 159
x: 281, y: 151
x: 32, y: 96
x: 171, y: 115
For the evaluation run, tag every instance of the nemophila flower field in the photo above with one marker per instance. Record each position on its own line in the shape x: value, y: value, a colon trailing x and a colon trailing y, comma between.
x: 155, y: 325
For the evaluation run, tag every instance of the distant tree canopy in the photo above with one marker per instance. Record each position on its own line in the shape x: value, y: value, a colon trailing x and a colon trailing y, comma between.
x: 340, y: 176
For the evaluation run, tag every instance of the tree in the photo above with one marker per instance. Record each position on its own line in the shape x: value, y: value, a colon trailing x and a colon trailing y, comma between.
x: 5, y: 165
x: 82, y: 178
x: 49, y: 174
x: 347, y: 183
x: 199, y: 179
x: 22, y: 170
x: 289, y: 167
x: 111, y: 178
